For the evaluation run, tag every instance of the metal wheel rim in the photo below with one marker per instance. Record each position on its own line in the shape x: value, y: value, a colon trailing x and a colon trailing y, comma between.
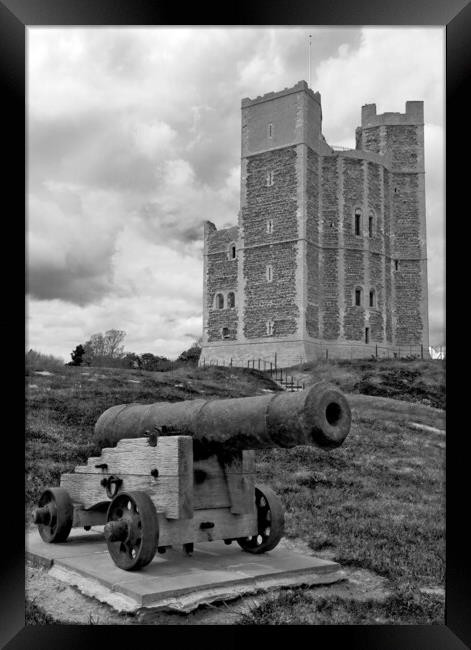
x: 61, y: 514
x: 138, y: 546
x: 270, y: 522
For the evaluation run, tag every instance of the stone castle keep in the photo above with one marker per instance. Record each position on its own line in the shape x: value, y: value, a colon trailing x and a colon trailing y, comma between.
x: 329, y: 254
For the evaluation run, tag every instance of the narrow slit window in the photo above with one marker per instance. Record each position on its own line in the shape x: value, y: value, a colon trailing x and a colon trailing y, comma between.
x: 396, y: 265
x: 232, y: 251
x: 270, y: 226
x: 371, y: 225
x: 357, y: 222
x: 231, y: 300
x: 270, y: 178
x: 372, y: 298
x: 270, y: 130
x: 269, y: 273
x: 367, y: 334
x: 358, y: 297
x: 270, y: 327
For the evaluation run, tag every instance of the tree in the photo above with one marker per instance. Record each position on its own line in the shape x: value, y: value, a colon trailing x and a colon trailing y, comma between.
x: 131, y: 360
x: 104, y: 349
x: 77, y: 356
x: 112, y: 343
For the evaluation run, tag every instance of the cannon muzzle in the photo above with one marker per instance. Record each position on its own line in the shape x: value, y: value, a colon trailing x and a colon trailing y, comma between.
x: 319, y: 416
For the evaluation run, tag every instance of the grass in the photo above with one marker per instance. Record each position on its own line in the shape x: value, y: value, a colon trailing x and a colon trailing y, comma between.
x: 375, y: 503
x: 413, y: 380
x: 301, y: 607
x: 36, y: 361
x: 34, y: 615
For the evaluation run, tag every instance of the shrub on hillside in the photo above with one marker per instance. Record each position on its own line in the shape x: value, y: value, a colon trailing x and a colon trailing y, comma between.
x: 37, y: 361
x: 191, y: 355
x: 155, y: 363
x: 77, y: 356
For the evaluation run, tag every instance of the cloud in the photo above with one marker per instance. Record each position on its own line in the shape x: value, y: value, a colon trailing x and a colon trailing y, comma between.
x: 382, y: 71
x: 70, y: 244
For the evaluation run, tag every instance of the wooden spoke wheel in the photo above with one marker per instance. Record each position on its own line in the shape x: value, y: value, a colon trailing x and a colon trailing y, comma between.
x: 132, y: 530
x: 270, y: 521
x: 54, y: 515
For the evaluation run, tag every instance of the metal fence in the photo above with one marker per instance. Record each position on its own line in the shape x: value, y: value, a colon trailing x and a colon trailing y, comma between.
x: 326, y: 353
x: 280, y: 375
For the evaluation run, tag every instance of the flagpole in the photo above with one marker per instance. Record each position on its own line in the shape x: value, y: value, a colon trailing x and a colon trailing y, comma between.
x: 309, y: 60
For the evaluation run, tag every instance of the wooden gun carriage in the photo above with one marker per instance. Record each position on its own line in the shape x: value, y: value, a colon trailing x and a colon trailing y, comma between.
x: 182, y: 473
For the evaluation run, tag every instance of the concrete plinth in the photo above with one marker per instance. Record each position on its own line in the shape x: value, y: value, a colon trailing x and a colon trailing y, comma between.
x: 175, y: 581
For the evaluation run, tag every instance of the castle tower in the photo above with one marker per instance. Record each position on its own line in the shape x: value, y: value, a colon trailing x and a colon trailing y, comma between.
x: 329, y: 254
x: 281, y: 141
x: 401, y: 136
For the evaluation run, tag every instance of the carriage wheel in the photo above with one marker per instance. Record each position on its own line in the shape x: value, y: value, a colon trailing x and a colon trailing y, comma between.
x: 54, y: 515
x: 270, y: 520
x: 132, y: 531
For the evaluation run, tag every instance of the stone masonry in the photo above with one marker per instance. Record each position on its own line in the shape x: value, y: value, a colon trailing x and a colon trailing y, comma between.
x: 329, y: 255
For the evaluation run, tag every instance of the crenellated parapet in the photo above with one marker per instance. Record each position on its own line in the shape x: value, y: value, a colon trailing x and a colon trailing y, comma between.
x: 414, y: 115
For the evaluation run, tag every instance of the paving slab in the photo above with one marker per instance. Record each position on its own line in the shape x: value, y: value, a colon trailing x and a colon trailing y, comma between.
x: 174, y: 580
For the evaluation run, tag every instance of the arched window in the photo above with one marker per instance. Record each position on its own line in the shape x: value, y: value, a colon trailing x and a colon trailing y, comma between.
x: 270, y: 327
x: 232, y: 251
x: 230, y: 300
x: 358, y: 297
x: 357, y: 222
x: 225, y: 333
x: 269, y: 273
x: 270, y: 226
x: 371, y: 224
x: 219, y: 301
x: 372, y: 301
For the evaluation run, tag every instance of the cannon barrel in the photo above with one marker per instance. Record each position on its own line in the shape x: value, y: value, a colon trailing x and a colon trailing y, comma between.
x: 319, y: 416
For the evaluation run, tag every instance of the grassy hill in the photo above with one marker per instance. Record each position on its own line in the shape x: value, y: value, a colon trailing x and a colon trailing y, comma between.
x: 413, y: 380
x: 376, y: 503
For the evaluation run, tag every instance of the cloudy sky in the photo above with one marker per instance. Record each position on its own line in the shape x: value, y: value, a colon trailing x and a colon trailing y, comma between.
x: 134, y: 141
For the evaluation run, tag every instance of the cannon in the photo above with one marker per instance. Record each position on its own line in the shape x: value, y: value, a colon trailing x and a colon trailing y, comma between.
x: 184, y: 472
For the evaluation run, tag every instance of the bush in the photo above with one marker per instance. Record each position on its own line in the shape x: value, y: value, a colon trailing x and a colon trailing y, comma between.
x: 38, y: 361
x: 191, y: 355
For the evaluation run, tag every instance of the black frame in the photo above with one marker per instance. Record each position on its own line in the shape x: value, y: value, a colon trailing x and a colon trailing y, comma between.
x: 15, y: 16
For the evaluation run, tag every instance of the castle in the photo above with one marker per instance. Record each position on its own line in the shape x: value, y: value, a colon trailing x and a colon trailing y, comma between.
x: 329, y: 254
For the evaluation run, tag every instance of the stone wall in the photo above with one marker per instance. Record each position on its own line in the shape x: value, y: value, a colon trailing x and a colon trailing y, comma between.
x: 312, y: 248
x: 354, y: 318
x: 329, y: 227
x: 221, y: 278
x: 275, y: 300
x: 388, y: 261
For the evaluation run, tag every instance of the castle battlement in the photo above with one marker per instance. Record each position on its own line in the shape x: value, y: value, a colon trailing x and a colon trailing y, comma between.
x: 300, y: 86
x: 414, y: 115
